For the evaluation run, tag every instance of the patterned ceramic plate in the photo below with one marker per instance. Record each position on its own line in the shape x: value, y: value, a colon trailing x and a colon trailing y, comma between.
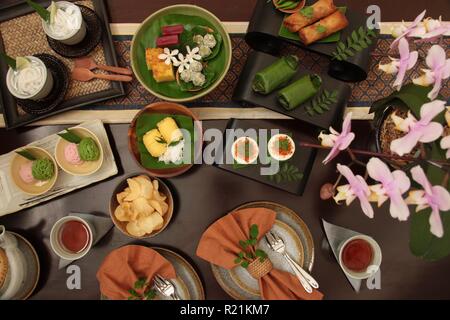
x: 188, y: 284
x: 33, y: 268
x: 299, y: 244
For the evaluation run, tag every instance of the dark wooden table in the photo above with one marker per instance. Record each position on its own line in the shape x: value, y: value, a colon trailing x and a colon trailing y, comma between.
x: 206, y: 193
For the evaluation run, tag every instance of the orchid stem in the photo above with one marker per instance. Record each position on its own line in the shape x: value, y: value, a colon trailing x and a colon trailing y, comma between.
x: 337, y: 181
x: 376, y: 154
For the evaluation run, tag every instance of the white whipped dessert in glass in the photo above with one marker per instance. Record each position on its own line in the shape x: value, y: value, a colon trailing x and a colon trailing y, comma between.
x: 68, y: 25
x: 33, y: 81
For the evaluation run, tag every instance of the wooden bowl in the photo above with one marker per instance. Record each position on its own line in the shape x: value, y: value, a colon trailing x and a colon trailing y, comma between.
x: 171, y: 109
x: 163, y: 188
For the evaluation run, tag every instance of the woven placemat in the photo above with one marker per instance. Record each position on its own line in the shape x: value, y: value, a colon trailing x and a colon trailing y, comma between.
x: 376, y: 86
x: 24, y: 36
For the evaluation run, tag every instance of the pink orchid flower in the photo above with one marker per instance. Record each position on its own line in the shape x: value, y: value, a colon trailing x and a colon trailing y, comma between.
x: 430, y: 30
x: 435, y: 197
x: 408, y: 30
x: 393, y: 185
x: 407, y: 61
x: 439, y: 70
x: 422, y: 130
x: 338, y: 141
x: 357, y: 188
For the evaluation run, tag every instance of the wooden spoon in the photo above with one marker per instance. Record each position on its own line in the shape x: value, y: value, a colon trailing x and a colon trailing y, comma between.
x: 89, y: 63
x: 83, y: 74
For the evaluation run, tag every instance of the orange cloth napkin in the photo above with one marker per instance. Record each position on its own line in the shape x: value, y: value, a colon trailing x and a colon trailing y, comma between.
x: 124, y: 266
x: 220, y: 246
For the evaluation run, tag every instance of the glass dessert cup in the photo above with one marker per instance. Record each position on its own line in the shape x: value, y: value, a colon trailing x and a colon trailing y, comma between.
x: 33, y: 82
x: 86, y: 167
x: 38, y: 187
x: 61, y: 30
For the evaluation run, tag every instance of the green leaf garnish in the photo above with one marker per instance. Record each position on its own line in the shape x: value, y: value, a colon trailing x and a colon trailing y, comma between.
x: 322, y: 103
x: 43, y: 12
x: 26, y: 154
x: 243, y: 244
x: 307, y: 11
x: 287, y: 173
x: 357, y: 41
x: 321, y: 29
x: 70, y: 136
x: 140, y: 283
x: 150, y: 294
x: 245, y: 264
x: 133, y: 293
x: 254, y: 231
x: 9, y: 61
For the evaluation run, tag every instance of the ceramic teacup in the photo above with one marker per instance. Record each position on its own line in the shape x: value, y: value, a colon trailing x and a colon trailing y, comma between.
x: 374, y: 264
x: 57, y: 240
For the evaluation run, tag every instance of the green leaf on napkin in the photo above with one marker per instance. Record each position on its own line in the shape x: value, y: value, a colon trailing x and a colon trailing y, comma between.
x: 147, y: 122
x: 43, y: 12
x: 70, y: 136
x: 287, y: 173
x: 26, y: 154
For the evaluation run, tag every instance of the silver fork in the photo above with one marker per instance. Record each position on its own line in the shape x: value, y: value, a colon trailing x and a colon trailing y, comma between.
x: 165, y: 287
x: 277, y: 244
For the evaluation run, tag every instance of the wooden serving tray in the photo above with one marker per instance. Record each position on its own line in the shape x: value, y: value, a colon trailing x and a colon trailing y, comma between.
x: 13, y: 199
x: 22, y: 34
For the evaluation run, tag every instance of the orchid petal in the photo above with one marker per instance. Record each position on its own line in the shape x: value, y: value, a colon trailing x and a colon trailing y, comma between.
x: 430, y: 110
x: 436, y: 88
x: 398, y: 207
x: 436, y: 226
x: 435, y: 57
x: 326, y: 140
x: 379, y: 171
x: 445, y: 144
x: 333, y: 154
x: 345, y: 141
x: 413, y: 57
x: 347, y: 124
x: 400, y: 76
x: 401, y: 180
x: 431, y: 132
x: 441, y: 197
x: 405, y: 144
x: 419, y: 176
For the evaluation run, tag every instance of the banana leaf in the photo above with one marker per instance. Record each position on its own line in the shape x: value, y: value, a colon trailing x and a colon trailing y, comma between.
x: 147, y: 39
x: 147, y: 122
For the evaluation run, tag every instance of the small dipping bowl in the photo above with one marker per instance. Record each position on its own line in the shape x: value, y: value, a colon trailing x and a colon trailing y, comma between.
x: 87, y: 167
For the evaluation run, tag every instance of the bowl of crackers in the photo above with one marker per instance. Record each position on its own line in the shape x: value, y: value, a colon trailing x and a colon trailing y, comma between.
x: 141, y: 206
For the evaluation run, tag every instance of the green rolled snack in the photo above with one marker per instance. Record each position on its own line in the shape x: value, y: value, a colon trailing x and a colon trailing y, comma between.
x: 43, y: 169
x: 299, y: 91
x: 276, y: 75
x: 88, y: 150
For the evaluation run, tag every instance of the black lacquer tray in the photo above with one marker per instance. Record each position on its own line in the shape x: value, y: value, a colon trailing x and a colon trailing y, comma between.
x: 303, y: 159
x: 257, y: 61
x: 263, y: 35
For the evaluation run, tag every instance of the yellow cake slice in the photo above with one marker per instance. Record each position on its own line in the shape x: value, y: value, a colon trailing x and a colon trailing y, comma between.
x: 154, y: 143
x: 169, y: 130
x: 151, y: 56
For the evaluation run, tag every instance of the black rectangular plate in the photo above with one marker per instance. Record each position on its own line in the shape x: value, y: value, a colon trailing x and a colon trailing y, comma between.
x: 8, y: 103
x: 257, y: 61
x: 303, y: 158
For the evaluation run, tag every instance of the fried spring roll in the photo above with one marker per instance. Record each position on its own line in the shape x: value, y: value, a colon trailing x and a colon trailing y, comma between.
x: 309, y: 15
x: 323, y: 28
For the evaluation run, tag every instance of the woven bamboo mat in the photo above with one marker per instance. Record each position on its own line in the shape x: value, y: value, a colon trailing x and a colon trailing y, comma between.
x: 24, y: 36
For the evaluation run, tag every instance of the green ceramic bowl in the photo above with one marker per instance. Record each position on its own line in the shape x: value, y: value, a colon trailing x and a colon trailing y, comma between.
x: 149, y: 30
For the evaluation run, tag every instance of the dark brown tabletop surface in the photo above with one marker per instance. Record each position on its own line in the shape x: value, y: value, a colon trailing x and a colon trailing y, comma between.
x: 206, y: 193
